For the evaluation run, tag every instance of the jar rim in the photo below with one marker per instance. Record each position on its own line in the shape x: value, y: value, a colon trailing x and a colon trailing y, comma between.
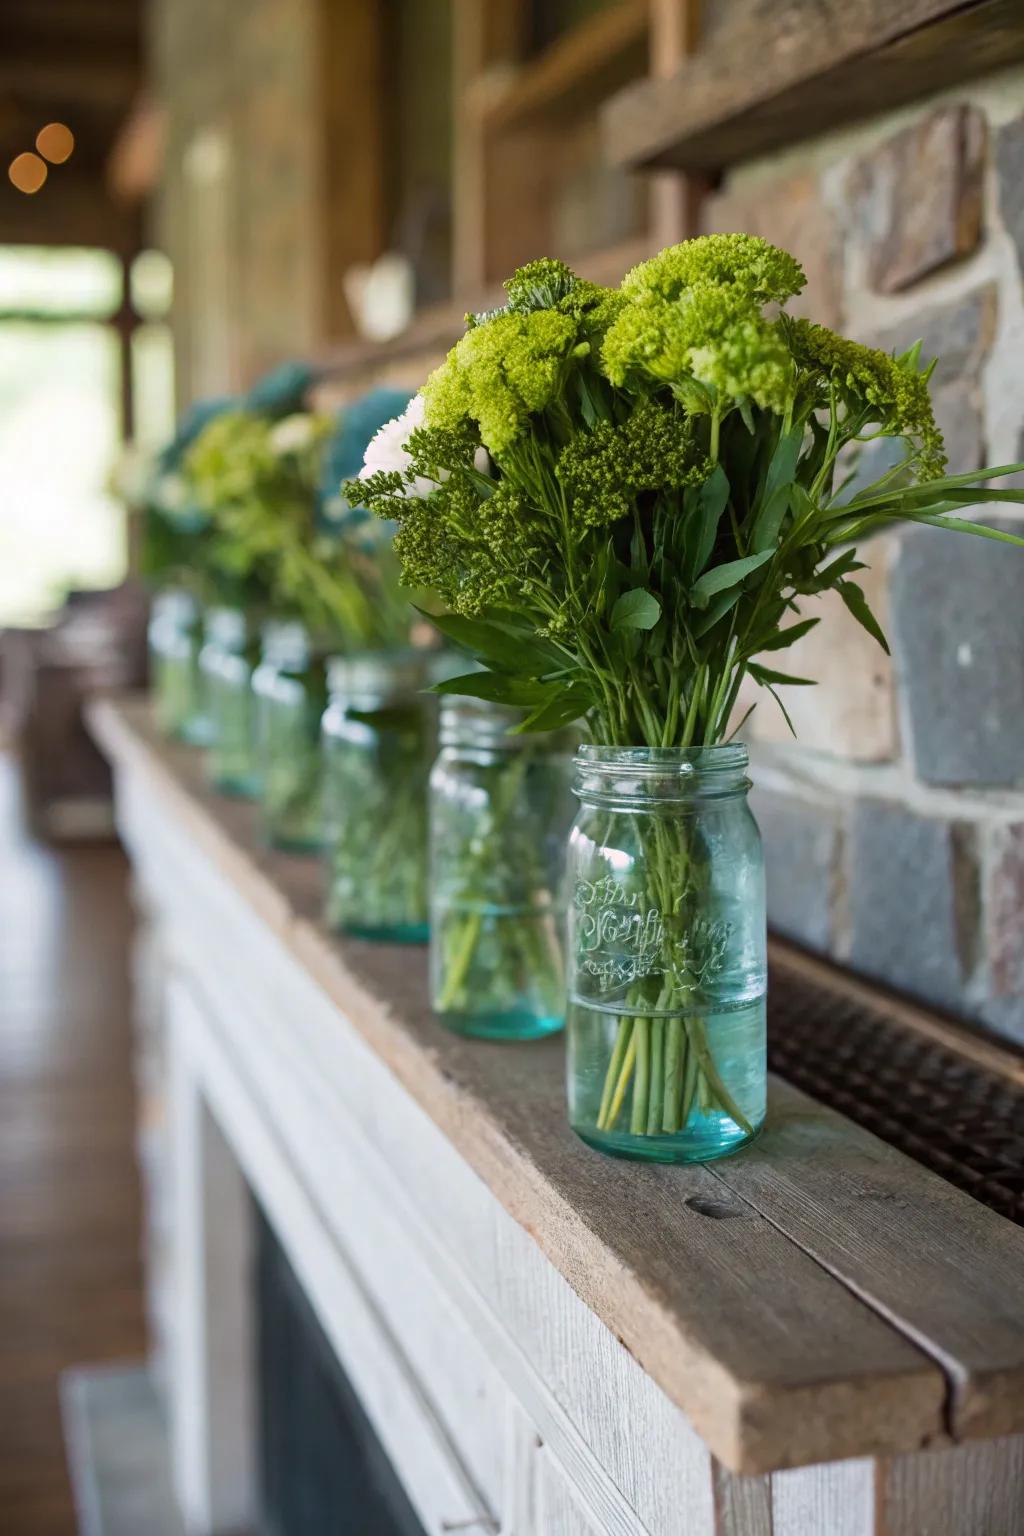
x: 396, y: 673
x: 469, y: 722
x: 687, y: 762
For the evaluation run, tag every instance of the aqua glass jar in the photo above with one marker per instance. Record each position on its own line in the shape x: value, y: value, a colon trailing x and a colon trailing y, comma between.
x: 226, y: 662
x: 380, y: 737
x: 500, y: 809
x: 174, y: 635
x: 667, y: 954
x: 289, y: 694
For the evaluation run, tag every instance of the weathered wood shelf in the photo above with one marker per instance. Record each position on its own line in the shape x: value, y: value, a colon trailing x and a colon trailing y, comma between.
x: 766, y: 75
x: 576, y: 71
x: 817, y: 1297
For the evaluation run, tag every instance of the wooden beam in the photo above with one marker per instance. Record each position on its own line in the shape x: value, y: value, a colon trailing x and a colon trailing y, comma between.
x: 579, y: 69
x: 73, y: 213
x: 352, y: 150
x: 91, y: 77
x: 803, y: 67
x: 675, y: 199
x: 485, y: 38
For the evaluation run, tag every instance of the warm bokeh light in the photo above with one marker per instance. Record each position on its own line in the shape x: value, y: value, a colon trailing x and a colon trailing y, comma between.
x: 27, y: 172
x: 55, y: 143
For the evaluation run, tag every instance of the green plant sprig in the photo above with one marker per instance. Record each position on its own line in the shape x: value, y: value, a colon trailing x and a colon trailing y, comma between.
x: 661, y: 488
x: 259, y: 482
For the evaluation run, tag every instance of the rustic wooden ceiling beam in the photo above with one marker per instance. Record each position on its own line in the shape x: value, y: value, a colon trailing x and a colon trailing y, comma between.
x: 90, y: 76
x: 769, y: 75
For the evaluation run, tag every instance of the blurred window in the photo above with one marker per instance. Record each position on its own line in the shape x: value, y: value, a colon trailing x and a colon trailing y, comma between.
x: 151, y: 284
x: 82, y: 283
x: 153, y: 385
x: 60, y: 526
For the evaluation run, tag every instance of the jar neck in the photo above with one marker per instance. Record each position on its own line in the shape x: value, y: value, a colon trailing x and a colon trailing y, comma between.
x: 478, y: 725
x: 228, y: 627
x: 635, y: 777
x: 287, y: 644
x: 175, y: 606
x: 373, y: 679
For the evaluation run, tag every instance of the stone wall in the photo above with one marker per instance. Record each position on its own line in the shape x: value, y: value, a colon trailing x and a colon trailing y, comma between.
x: 894, y: 827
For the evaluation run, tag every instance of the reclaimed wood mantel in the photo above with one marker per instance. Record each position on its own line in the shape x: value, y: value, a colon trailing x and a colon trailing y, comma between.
x: 649, y: 1332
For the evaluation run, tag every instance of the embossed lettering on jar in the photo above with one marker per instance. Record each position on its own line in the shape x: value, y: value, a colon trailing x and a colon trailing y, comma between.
x: 667, y: 954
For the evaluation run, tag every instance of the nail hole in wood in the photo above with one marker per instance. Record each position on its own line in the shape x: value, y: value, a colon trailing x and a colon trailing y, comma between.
x: 718, y: 1210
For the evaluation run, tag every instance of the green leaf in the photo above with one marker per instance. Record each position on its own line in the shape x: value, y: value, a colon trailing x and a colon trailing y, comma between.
x: 513, y: 651
x: 785, y: 711
x: 782, y: 467
x: 765, y: 675
x: 636, y: 609
x: 499, y: 688
x: 869, y: 498
x: 843, y: 565
x: 961, y: 525
x: 722, y: 577
x: 569, y: 706
x: 702, y: 527
x: 766, y: 527
x: 716, y: 612
x: 857, y: 604
x: 787, y: 637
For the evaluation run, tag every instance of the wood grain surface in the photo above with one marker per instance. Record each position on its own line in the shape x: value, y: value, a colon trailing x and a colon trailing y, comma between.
x: 70, y: 1282
x: 730, y: 1304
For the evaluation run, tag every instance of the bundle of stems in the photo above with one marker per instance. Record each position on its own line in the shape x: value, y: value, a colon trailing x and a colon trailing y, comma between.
x: 499, y: 942
x: 627, y: 499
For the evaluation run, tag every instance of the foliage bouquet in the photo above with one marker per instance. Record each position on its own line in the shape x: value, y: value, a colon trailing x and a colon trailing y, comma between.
x: 327, y: 587
x: 665, y: 482
x: 178, y: 560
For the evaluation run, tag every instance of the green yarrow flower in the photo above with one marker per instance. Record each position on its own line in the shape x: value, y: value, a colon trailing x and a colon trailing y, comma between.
x: 501, y: 373
x: 897, y: 394
x: 693, y: 320
x: 603, y: 471
x: 744, y: 263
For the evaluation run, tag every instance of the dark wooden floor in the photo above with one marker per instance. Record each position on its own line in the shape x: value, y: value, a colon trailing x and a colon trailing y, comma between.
x: 70, y: 1286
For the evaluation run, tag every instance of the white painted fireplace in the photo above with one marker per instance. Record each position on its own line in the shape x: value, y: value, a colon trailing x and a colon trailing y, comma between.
x: 817, y: 1338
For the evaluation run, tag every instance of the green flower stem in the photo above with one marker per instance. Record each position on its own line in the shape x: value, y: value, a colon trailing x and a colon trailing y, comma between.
x: 642, y: 1085
x: 656, y: 1093
x: 457, y: 966
x: 615, y: 1066
x: 676, y: 1058
x: 669, y: 1059
x: 527, y: 947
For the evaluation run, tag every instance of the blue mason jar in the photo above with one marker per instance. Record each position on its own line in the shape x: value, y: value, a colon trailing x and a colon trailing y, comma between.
x: 226, y: 662
x: 380, y: 738
x: 500, y: 810
x: 289, y: 693
x: 175, y: 638
x: 667, y: 954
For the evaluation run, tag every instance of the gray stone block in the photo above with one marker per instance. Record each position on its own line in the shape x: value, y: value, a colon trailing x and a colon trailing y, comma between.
x: 1009, y: 159
x: 801, y: 849
x: 918, y: 197
x: 960, y: 336
x: 913, y: 902
x: 957, y: 628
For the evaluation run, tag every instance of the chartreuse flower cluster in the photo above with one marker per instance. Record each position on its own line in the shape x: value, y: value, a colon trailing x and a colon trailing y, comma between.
x: 622, y: 496
x: 260, y: 483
